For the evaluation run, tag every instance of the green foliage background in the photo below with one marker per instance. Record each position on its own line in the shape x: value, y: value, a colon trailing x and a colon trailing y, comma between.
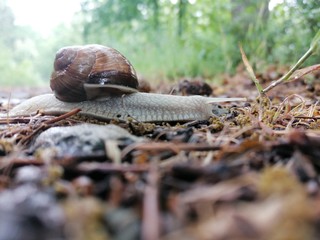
x: 165, y: 39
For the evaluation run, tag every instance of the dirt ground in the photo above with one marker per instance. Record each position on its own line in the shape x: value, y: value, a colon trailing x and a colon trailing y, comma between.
x: 252, y: 173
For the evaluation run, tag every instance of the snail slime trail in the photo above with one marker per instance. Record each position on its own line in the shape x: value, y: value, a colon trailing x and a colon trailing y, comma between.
x: 103, y: 84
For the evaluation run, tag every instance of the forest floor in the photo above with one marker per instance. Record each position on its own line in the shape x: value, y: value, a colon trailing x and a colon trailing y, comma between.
x: 250, y: 174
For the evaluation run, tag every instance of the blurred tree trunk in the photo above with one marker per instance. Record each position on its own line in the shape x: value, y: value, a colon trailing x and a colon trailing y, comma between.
x: 249, y: 24
x: 247, y: 12
x: 182, y: 8
x: 155, y: 6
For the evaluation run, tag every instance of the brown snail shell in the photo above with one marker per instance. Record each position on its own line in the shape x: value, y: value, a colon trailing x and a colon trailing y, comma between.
x: 91, y: 71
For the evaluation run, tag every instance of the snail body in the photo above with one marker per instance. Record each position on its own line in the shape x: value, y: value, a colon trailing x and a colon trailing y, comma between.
x: 103, y: 84
x: 143, y: 107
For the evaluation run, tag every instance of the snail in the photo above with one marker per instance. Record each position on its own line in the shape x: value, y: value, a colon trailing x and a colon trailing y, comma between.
x: 103, y: 84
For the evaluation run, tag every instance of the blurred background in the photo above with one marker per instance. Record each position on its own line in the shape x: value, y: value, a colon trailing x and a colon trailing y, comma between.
x: 165, y: 40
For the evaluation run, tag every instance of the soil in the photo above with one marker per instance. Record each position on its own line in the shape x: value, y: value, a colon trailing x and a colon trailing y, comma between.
x: 250, y: 174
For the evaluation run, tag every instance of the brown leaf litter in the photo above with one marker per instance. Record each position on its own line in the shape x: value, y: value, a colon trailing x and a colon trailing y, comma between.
x: 251, y: 174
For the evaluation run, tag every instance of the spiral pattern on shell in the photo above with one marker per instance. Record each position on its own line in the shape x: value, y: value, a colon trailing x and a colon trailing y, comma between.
x: 77, y: 66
